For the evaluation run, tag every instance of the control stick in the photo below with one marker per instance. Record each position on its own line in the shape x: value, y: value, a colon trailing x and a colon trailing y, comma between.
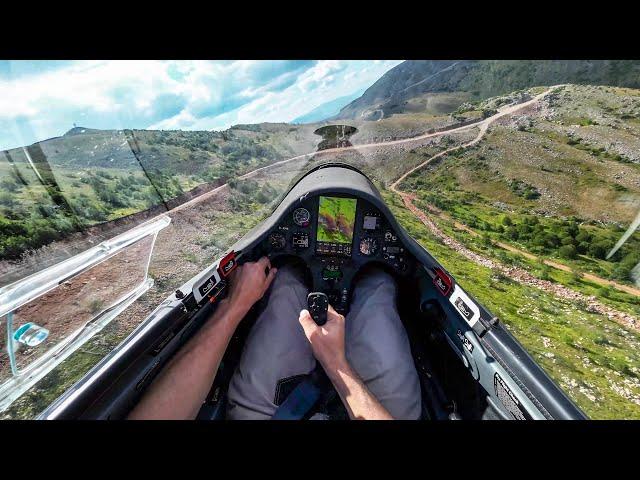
x: 318, y: 306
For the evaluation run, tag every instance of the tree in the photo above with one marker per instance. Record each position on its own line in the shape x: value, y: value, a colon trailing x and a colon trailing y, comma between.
x: 539, y: 240
x: 551, y: 240
x: 524, y: 231
x: 512, y: 233
x: 583, y: 247
x: 567, y: 251
x: 9, y: 185
x: 583, y: 236
x: 623, y: 270
x: 599, y: 249
x: 545, y: 272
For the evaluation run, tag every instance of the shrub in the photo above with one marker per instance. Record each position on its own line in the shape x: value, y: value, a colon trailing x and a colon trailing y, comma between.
x: 567, y: 251
x: 583, y: 236
x: 512, y: 233
x: 583, y: 247
x: 623, y: 270
x: 605, y: 292
x: 544, y: 272
x: 599, y: 249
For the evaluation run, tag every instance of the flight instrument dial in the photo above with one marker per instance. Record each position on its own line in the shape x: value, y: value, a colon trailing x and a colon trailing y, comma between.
x: 301, y: 217
x: 368, y: 246
x: 277, y: 241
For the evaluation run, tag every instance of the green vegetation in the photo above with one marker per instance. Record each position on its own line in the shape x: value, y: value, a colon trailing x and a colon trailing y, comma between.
x: 547, y: 190
x: 562, y: 184
x: 577, y: 242
x: 575, y: 280
x: 561, y: 188
x: 87, y: 177
x: 30, y: 217
x: 524, y: 190
x: 250, y: 196
x: 595, y: 360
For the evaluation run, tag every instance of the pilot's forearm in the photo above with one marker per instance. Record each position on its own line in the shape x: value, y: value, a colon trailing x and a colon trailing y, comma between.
x: 360, y: 402
x: 182, y: 386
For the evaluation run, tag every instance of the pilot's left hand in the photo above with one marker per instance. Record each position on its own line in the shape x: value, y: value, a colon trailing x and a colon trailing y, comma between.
x: 248, y: 283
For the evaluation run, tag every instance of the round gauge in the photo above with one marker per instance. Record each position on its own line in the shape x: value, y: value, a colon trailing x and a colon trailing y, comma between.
x: 301, y: 217
x: 390, y: 237
x: 368, y: 246
x: 277, y: 241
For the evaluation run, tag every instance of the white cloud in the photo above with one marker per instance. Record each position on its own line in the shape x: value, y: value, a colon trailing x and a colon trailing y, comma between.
x: 324, y: 82
x: 169, y: 94
x: 89, y: 85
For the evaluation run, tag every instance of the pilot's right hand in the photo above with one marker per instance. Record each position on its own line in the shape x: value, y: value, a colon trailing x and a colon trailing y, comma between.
x: 327, y: 341
x: 248, y: 283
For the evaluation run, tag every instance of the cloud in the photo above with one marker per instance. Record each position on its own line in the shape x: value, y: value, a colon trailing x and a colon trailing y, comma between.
x: 325, y: 81
x: 41, y: 99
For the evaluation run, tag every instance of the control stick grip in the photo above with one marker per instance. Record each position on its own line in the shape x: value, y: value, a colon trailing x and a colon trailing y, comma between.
x: 318, y: 304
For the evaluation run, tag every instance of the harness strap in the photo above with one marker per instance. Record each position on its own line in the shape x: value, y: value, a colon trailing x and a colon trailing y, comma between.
x: 304, y: 397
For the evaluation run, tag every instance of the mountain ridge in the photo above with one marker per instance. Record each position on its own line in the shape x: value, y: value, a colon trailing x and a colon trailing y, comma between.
x: 481, y: 79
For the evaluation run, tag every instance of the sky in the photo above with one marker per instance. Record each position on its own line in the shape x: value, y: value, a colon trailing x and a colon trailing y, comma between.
x: 44, y: 99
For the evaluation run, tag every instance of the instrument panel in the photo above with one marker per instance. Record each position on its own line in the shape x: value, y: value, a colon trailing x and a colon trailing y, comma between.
x: 336, y: 235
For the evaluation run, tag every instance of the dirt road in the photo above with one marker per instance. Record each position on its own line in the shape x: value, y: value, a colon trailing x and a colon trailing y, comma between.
x: 557, y: 265
x: 521, y: 275
x: 484, y: 126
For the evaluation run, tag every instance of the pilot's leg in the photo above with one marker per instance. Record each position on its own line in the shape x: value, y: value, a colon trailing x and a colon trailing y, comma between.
x: 276, y: 349
x: 377, y: 346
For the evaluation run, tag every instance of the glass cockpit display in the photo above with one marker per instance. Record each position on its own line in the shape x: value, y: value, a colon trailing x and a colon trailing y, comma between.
x: 336, y: 221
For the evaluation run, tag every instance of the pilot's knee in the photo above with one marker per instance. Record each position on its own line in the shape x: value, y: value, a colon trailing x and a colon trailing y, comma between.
x: 375, y: 281
x: 289, y: 275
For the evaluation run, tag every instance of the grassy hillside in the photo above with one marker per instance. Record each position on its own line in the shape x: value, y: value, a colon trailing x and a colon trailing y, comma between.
x: 94, y: 176
x: 562, y: 181
x: 596, y: 361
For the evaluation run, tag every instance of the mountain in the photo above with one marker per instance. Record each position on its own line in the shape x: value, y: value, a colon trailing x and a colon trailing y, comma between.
x: 81, y: 131
x: 397, y: 90
x: 327, y: 109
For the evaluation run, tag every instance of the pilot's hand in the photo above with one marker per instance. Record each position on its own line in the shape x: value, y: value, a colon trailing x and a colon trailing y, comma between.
x: 249, y: 282
x: 327, y: 341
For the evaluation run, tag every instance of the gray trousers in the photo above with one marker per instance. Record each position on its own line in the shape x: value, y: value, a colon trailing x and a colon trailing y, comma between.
x: 377, y: 348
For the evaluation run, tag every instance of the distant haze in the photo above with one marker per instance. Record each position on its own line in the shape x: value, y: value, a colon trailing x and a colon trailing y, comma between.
x: 327, y: 110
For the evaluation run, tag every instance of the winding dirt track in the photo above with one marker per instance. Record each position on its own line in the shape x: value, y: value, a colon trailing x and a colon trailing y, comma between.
x: 560, y: 266
x: 522, y: 276
x: 482, y: 125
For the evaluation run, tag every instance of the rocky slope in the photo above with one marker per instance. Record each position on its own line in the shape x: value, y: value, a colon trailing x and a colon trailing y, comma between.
x: 480, y: 79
